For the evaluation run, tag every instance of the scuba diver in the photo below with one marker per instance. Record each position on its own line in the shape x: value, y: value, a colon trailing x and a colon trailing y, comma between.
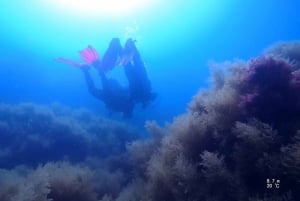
x: 115, y: 96
x: 134, y: 67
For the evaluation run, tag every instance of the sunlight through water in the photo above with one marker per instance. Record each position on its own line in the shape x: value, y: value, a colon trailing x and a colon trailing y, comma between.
x: 100, y: 8
x: 48, y: 24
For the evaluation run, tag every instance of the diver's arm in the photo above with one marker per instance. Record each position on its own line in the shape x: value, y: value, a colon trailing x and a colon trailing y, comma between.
x: 91, y: 86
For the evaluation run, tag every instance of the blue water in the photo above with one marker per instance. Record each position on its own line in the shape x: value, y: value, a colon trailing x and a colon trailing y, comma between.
x: 177, y: 39
x: 58, y: 142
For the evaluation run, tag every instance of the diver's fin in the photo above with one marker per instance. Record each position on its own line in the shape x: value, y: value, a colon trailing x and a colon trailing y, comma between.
x: 71, y: 63
x: 89, y: 54
x: 93, y: 52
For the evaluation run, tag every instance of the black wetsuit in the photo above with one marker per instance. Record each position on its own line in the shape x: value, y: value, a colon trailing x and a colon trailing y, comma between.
x: 110, y: 56
x: 139, y: 83
x: 114, y: 96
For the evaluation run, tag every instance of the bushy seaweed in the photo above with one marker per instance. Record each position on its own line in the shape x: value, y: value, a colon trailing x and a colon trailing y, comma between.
x: 269, y: 93
x: 289, y: 51
x: 234, y: 137
x: 32, y: 134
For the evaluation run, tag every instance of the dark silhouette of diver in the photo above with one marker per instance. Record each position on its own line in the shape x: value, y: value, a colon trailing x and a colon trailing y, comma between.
x: 115, y: 96
x: 134, y: 67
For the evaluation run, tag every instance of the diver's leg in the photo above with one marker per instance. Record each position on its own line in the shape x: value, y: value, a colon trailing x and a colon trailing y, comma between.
x: 135, y: 71
x: 91, y: 86
x: 111, y: 55
x: 141, y: 73
x: 104, y: 81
